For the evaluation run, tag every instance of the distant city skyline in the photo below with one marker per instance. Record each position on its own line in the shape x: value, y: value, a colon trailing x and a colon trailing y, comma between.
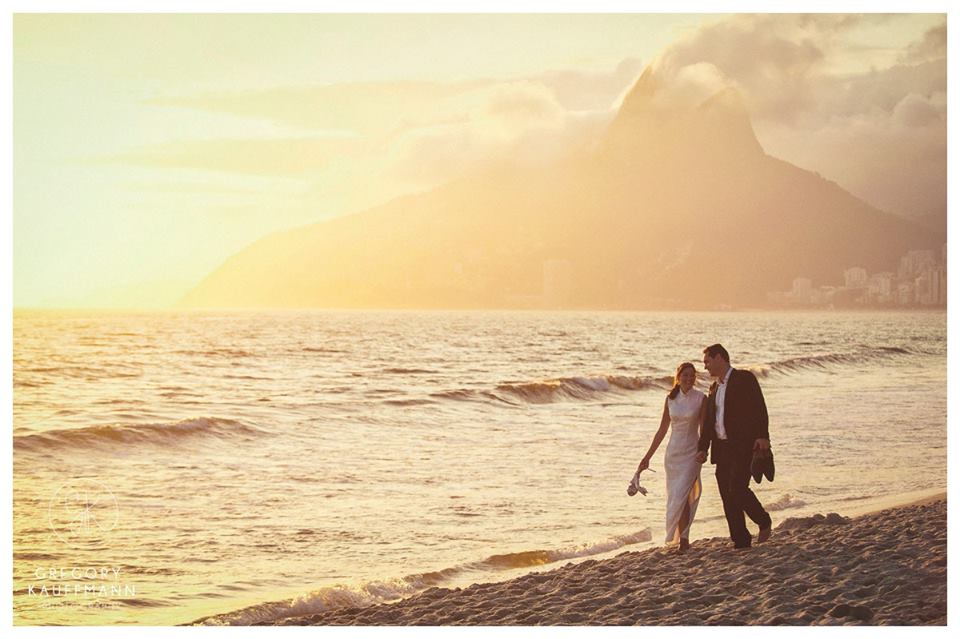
x: 920, y: 280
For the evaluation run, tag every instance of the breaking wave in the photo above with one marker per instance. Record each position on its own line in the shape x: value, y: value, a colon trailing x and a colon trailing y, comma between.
x: 785, y: 502
x: 578, y: 388
x: 540, y: 557
x: 108, y: 435
x: 828, y: 360
x: 557, y: 390
x: 375, y: 592
x: 586, y: 388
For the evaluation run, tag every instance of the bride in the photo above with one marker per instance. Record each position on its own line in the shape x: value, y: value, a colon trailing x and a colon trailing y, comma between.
x: 683, y: 412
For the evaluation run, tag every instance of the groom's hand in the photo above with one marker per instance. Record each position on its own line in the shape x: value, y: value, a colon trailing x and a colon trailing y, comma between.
x: 701, y: 456
x: 761, y: 444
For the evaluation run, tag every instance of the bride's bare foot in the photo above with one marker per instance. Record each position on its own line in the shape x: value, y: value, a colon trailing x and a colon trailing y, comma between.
x: 684, y: 545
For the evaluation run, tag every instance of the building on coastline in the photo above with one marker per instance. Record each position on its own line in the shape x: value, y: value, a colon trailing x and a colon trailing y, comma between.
x: 919, y: 281
x: 855, y: 277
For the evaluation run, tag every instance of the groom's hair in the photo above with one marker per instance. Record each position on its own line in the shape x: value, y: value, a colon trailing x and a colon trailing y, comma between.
x: 717, y: 349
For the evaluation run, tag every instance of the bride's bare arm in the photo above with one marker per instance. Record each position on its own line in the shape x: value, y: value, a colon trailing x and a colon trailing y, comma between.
x: 661, y: 433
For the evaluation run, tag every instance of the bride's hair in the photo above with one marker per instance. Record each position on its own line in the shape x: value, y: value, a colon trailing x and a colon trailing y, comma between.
x: 676, y: 379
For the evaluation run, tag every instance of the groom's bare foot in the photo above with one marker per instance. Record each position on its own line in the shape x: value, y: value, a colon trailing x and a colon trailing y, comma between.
x: 764, y: 534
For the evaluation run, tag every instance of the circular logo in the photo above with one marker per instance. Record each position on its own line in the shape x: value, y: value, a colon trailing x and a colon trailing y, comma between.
x: 82, y: 511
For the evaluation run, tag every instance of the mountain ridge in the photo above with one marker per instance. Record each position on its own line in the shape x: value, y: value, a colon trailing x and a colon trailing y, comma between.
x: 676, y: 206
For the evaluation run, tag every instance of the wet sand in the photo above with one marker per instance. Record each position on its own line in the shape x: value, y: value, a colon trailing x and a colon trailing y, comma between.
x: 883, y: 568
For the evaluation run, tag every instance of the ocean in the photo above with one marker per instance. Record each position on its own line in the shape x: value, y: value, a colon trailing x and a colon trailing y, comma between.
x: 245, y: 466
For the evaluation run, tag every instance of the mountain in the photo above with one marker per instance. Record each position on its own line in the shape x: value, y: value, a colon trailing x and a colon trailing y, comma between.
x: 675, y: 206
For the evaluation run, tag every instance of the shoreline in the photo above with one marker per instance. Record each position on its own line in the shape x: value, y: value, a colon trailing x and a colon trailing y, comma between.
x: 875, y: 569
x: 893, y: 503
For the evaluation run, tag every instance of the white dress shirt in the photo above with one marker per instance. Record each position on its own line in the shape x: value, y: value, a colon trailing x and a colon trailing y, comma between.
x: 721, y: 400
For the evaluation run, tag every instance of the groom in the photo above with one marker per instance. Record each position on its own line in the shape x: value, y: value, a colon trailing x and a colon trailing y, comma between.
x: 736, y: 424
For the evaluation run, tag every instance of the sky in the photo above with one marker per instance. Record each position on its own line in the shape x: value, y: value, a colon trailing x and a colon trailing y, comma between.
x: 148, y: 148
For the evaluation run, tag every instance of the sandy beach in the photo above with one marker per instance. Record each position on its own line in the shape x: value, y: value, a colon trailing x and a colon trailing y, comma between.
x: 883, y: 568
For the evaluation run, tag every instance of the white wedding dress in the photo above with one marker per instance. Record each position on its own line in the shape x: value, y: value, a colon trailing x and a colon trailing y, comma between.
x: 680, y: 463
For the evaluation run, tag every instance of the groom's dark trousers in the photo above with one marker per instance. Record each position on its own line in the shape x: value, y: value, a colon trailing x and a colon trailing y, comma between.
x: 733, y: 480
x: 745, y: 421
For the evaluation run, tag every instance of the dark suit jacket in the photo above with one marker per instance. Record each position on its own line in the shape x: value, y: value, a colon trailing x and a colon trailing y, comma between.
x: 744, y: 418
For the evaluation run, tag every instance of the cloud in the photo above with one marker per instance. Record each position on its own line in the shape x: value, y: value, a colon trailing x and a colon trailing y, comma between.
x: 770, y: 61
x: 879, y: 131
x: 524, y: 104
x: 691, y: 85
x: 363, y: 108
x: 419, y: 133
x: 376, y: 108
x: 933, y: 46
x: 917, y: 110
x: 748, y: 48
x: 521, y: 120
x: 855, y: 94
x: 590, y: 90
x: 276, y: 157
x: 786, y: 65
